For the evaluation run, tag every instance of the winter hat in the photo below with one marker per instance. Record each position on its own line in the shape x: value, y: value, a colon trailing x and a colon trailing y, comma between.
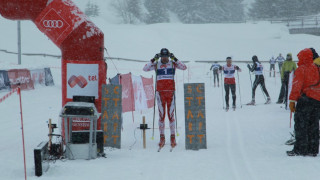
x: 229, y: 58
x: 289, y: 56
x: 254, y: 58
x: 315, y: 54
x: 305, y: 57
x: 164, y: 52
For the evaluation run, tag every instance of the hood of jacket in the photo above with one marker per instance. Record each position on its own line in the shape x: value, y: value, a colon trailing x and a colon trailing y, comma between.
x: 305, y: 57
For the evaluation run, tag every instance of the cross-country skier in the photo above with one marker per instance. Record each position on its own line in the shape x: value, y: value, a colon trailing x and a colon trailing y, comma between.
x: 165, y: 89
x: 215, y: 68
x: 305, y: 103
x: 272, y: 62
x: 258, y: 69
x: 230, y: 81
x: 280, y: 60
x: 287, y: 67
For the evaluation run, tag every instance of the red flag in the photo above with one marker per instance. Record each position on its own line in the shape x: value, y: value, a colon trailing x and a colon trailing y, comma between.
x: 127, y: 93
x: 149, y: 90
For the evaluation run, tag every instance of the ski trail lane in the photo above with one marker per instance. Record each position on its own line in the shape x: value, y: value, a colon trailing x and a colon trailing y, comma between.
x: 235, y: 149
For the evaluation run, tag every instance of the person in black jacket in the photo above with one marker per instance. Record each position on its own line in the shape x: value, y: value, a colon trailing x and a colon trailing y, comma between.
x: 258, y: 69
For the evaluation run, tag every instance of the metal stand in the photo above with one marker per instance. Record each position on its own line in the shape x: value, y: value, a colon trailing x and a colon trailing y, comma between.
x: 78, y: 151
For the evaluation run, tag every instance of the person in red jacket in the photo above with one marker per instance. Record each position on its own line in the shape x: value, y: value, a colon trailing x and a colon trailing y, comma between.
x: 165, y: 89
x: 305, y: 103
x: 230, y: 82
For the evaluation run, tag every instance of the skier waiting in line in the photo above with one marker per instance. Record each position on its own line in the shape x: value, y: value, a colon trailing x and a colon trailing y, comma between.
x: 215, y: 68
x: 305, y: 103
x: 280, y: 60
x: 230, y: 82
x: 272, y: 62
x: 165, y: 89
x: 258, y: 69
x: 287, y: 67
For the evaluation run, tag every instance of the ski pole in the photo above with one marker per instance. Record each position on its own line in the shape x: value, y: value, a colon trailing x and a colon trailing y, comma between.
x: 239, y: 89
x: 263, y: 93
x: 290, y: 118
x: 175, y: 113
x: 250, y: 78
x: 175, y: 106
x: 222, y: 92
x: 154, y: 101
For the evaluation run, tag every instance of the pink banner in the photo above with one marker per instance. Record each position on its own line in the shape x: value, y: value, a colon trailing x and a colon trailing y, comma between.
x: 127, y: 93
x: 149, y: 90
x: 20, y: 77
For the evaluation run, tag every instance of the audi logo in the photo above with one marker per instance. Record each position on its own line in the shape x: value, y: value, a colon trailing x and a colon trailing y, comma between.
x: 52, y: 23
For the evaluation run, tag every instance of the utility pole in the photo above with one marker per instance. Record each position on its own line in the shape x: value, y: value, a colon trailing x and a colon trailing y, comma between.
x: 19, y: 42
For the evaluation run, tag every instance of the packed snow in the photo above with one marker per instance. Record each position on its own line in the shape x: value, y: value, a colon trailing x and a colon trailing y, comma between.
x: 244, y: 144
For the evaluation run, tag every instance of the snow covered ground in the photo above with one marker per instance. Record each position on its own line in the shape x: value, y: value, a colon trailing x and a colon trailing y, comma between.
x: 247, y: 144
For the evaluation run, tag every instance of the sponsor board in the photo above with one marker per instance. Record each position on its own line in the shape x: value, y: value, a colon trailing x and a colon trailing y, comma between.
x: 82, y: 80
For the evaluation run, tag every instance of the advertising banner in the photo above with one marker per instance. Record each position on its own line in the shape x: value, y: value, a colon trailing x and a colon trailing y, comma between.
x: 140, y: 99
x: 82, y: 79
x: 149, y: 91
x: 111, y: 117
x: 20, y: 77
x: 48, y: 77
x: 4, y: 81
x: 127, y: 93
x: 195, y: 116
x: 38, y: 77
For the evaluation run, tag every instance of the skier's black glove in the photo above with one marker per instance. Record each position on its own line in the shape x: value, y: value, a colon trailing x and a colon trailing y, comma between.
x: 248, y: 65
x: 173, y: 57
x: 156, y: 57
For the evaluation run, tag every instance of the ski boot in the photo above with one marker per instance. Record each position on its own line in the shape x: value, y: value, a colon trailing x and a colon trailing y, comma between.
x: 253, y: 102
x: 227, y: 108
x: 293, y: 153
x: 214, y: 84
x: 162, y: 141
x: 234, y: 107
x: 173, y: 141
x: 268, y: 101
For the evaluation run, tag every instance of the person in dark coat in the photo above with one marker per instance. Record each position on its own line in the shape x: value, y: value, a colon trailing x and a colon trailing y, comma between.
x: 305, y: 103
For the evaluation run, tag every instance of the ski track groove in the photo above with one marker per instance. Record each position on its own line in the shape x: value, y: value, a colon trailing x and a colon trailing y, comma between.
x: 235, y: 149
x: 242, y: 148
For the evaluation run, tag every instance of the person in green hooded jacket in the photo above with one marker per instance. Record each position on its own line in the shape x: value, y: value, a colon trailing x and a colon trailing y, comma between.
x: 287, y: 67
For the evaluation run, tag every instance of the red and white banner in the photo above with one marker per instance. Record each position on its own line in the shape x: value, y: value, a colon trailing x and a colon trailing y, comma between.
x: 137, y: 92
x: 59, y: 19
x: 149, y: 91
x: 127, y: 92
x: 20, y: 77
x: 140, y: 99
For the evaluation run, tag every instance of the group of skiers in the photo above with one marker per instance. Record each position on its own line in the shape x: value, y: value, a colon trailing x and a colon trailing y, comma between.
x: 304, y: 97
x: 230, y: 83
x: 280, y: 59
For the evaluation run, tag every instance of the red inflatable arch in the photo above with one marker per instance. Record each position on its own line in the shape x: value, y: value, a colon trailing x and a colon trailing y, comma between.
x: 81, y: 42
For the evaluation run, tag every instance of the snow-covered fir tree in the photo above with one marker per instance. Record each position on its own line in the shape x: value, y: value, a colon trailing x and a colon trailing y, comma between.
x: 157, y: 11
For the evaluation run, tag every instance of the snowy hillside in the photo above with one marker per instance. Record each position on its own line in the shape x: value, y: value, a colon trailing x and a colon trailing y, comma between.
x: 247, y: 144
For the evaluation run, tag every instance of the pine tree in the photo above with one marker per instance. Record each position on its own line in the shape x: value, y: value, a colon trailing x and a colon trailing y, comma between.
x: 92, y: 10
x: 128, y: 10
x: 157, y: 11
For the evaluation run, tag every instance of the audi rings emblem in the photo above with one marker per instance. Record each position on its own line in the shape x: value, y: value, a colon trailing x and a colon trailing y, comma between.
x: 52, y: 23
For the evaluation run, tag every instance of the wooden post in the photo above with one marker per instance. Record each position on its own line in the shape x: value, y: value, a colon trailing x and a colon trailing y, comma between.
x: 144, y: 133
